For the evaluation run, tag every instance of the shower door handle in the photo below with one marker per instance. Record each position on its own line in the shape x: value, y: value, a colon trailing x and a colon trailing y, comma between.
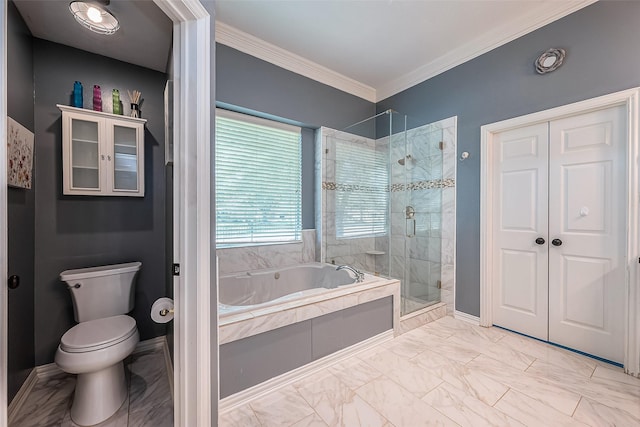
x: 413, y: 221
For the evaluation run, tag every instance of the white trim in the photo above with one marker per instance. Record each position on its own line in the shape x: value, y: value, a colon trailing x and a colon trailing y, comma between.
x: 195, y: 403
x: 629, y: 98
x: 4, y: 266
x: 239, y: 40
x: 465, y: 317
x: 273, y: 384
x: 21, y: 397
x: 498, y: 36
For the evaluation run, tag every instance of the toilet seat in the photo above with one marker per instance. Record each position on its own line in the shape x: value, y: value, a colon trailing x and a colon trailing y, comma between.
x: 98, y: 334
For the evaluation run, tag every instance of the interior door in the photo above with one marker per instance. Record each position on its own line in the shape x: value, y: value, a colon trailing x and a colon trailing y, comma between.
x: 520, y: 298
x: 587, y: 232
x: 559, y: 231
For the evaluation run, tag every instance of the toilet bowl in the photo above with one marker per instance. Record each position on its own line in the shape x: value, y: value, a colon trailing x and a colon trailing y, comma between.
x: 95, y: 350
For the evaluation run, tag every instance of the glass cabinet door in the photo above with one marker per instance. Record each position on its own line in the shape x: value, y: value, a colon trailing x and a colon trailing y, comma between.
x: 126, y: 157
x: 85, y: 169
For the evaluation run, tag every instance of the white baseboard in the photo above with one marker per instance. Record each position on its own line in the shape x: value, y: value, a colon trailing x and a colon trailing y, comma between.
x: 43, y: 372
x: 269, y: 386
x: 21, y: 395
x: 466, y: 317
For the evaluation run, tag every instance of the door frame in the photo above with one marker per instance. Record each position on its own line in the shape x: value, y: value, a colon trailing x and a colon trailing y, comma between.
x: 196, y: 361
x: 628, y: 98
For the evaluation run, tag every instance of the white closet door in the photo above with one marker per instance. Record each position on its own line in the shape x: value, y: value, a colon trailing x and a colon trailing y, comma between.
x: 587, y: 217
x: 520, y: 296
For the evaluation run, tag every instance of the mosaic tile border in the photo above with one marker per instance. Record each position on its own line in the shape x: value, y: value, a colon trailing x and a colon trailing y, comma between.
x: 418, y: 185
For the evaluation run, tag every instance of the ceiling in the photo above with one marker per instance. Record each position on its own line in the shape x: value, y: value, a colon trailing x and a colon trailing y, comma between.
x: 144, y: 37
x: 369, y: 48
x: 376, y: 48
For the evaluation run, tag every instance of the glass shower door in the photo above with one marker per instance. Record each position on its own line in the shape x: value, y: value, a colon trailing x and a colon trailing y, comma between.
x: 421, y: 169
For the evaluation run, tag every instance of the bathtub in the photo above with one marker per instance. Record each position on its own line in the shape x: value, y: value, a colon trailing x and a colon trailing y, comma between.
x: 275, y: 323
x: 264, y: 288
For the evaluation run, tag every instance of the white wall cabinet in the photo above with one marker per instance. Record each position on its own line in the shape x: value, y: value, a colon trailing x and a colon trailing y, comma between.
x: 102, y: 153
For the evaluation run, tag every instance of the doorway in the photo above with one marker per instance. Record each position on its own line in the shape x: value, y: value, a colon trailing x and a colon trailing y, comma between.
x: 559, y: 244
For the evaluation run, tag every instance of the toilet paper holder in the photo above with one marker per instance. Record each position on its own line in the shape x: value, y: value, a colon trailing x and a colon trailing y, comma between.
x: 164, y: 312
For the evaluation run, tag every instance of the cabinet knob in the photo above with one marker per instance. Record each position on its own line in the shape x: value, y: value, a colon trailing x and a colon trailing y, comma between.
x: 556, y: 242
x: 540, y: 241
x: 109, y: 158
x: 102, y: 156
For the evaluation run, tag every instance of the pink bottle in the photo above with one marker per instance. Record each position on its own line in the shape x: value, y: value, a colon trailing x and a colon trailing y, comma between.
x: 97, y: 98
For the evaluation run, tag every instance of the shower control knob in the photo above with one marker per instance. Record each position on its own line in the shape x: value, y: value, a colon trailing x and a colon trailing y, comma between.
x: 540, y: 241
x: 556, y: 242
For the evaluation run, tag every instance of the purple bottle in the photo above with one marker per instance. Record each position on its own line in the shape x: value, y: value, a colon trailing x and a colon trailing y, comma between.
x: 97, y: 98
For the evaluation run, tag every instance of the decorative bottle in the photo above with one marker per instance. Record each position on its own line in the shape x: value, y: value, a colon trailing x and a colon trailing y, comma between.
x: 77, y: 94
x: 97, y: 98
x: 117, y: 109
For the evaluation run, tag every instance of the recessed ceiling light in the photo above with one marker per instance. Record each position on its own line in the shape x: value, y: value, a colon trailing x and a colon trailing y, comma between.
x: 94, y: 17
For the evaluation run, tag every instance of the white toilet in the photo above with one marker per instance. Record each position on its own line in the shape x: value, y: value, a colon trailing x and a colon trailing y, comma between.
x: 95, y: 348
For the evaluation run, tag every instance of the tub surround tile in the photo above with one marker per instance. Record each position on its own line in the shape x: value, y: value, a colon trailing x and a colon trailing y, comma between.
x: 531, y: 412
x: 465, y: 409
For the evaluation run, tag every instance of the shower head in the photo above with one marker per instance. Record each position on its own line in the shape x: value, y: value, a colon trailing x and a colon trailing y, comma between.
x: 407, y: 157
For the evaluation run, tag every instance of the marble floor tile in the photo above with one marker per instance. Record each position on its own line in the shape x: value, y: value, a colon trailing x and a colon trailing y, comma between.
x: 150, y: 399
x: 598, y: 415
x: 47, y: 403
x: 336, y: 403
x: 239, y: 417
x: 531, y: 412
x: 149, y: 402
x: 615, y: 375
x: 507, y: 355
x: 541, y: 389
x: 550, y: 354
x: 284, y: 407
x: 455, y: 325
x: 354, y: 372
x: 473, y: 382
x: 611, y: 393
x: 313, y: 420
x: 465, y: 409
x: 399, y: 406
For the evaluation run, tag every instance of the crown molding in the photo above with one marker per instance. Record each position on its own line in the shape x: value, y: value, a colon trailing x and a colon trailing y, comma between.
x: 239, y: 40
x: 499, y: 36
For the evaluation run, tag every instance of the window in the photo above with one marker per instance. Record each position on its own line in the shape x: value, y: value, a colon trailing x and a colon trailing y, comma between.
x: 258, y: 180
x: 362, y: 185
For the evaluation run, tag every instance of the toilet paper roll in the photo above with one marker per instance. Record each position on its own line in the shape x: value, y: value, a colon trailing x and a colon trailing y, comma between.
x: 158, y: 307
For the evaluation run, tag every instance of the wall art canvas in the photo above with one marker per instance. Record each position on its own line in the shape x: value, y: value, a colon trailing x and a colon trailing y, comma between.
x: 19, y: 154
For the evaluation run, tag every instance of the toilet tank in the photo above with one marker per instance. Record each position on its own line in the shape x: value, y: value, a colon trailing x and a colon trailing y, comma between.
x: 104, y: 291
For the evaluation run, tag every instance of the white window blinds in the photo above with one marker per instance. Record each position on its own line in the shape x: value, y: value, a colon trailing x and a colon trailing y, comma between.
x: 258, y: 180
x: 362, y: 184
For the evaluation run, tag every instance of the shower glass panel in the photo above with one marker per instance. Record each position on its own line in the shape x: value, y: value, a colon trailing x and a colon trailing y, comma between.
x: 382, y: 199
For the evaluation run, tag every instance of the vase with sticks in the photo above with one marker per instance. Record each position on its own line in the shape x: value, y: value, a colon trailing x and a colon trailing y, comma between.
x: 134, y: 98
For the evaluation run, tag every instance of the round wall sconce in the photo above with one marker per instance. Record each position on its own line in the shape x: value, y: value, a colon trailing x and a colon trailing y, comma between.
x: 550, y: 61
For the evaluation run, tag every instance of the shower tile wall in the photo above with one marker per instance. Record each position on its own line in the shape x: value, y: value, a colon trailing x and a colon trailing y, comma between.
x: 241, y: 259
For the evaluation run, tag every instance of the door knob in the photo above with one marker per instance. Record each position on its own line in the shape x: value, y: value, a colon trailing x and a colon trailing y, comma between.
x: 14, y: 281
x: 556, y: 242
x: 540, y: 241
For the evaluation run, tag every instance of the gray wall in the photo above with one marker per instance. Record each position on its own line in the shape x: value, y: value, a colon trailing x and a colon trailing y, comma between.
x: 82, y: 231
x: 21, y: 207
x: 247, y: 84
x: 601, y: 41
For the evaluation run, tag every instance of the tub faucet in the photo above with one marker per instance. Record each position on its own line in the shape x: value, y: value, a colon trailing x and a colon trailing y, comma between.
x: 359, y: 274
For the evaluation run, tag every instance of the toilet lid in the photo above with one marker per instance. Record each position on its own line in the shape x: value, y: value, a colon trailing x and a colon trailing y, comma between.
x: 97, y: 334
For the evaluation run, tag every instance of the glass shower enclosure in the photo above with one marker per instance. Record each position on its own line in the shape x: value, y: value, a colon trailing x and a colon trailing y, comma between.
x: 382, y: 203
